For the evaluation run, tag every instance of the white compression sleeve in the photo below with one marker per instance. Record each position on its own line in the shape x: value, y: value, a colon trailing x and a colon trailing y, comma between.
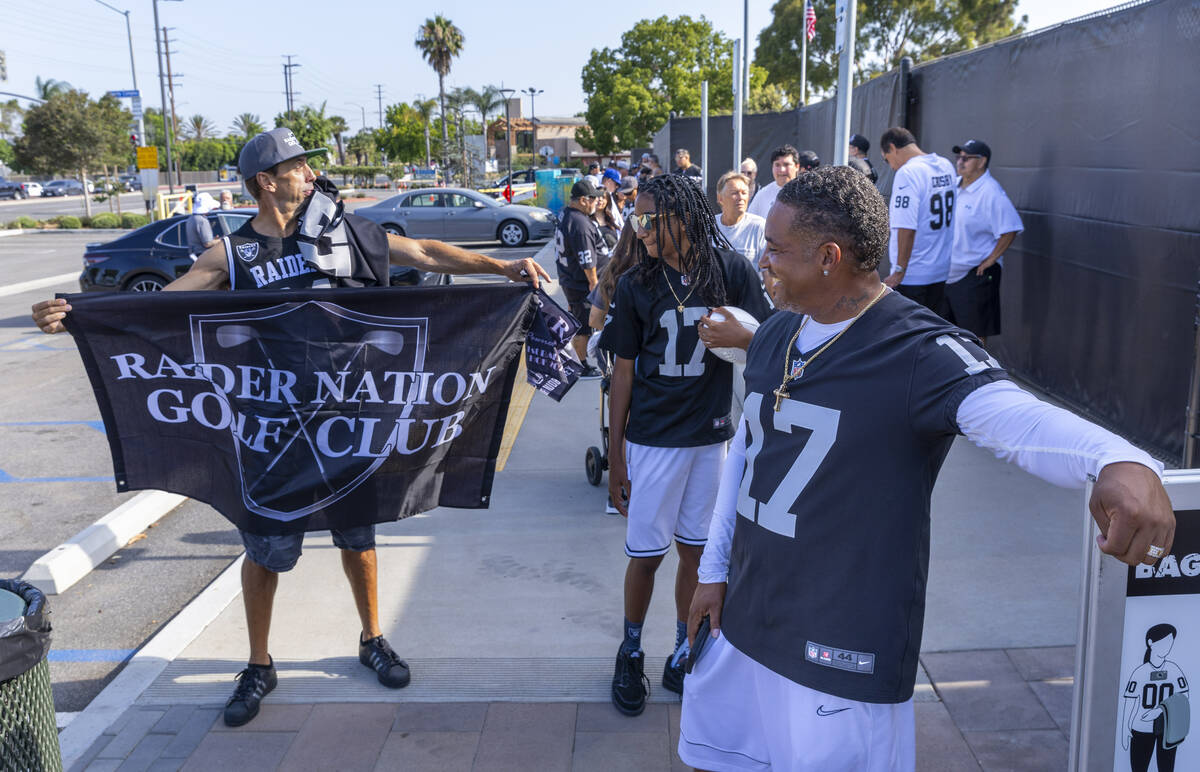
x: 1049, y: 442
x: 714, y: 562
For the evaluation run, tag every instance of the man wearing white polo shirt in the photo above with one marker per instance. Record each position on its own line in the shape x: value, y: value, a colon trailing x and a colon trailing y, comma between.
x: 985, y: 224
x: 921, y: 213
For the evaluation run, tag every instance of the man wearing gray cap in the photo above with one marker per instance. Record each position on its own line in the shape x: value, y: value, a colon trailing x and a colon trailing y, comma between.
x: 266, y: 253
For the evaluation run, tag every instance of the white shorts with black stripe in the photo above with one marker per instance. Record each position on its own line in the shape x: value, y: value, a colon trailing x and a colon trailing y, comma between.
x: 672, y: 494
x: 739, y: 715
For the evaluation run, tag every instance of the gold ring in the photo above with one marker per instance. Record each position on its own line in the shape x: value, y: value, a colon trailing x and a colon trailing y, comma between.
x: 1155, y: 552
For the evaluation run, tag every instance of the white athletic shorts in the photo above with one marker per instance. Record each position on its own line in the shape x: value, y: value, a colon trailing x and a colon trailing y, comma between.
x: 673, y: 494
x: 739, y: 715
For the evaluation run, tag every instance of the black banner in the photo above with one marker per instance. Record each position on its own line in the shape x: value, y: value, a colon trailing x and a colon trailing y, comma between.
x: 547, y: 367
x: 300, y: 410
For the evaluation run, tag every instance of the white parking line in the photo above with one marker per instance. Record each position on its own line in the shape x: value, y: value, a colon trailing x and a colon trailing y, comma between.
x: 25, y: 286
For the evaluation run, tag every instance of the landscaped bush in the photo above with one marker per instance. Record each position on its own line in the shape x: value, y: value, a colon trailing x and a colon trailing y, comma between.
x: 24, y: 221
x: 105, y: 220
x: 133, y: 220
x: 68, y: 221
x: 84, y: 221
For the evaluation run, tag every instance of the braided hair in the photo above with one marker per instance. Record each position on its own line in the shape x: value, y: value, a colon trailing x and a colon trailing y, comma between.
x: 683, y: 199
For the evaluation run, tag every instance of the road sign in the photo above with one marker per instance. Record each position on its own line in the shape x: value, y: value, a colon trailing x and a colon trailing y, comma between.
x: 130, y: 94
x: 137, y: 107
x: 147, y: 157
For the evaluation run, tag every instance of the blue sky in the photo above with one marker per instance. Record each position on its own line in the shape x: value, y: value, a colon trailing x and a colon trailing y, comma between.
x: 230, y: 53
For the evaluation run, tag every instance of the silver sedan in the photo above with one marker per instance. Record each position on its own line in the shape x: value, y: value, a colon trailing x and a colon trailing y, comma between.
x: 458, y: 214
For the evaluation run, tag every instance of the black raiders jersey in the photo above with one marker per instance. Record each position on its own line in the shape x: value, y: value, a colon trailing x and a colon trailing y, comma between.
x: 830, y: 551
x: 267, y: 262
x: 578, y: 244
x: 681, y: 391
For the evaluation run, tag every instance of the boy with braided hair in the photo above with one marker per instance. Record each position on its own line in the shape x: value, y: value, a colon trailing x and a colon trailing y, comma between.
x: 669, y: 404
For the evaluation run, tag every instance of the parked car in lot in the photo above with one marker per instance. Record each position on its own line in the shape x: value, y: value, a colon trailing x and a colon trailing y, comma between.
x: 458, y: 214
x: 11, y: 189
x: 524, y: 183
x: 32, y: 189
x: 66, y: 188
x: 154, y: 255
x: 131, y: 182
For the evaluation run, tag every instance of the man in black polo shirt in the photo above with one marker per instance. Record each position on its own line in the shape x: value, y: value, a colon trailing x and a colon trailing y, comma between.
x: 814, y: 573
x: 581, y: 253
x: 266, y: 254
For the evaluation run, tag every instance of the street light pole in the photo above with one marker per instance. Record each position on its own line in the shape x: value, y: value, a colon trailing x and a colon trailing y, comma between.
x: 162, y: 88
x: 132, y: 68
x: 533, y: 92
x: 363, y: 110
x: 508, y: 137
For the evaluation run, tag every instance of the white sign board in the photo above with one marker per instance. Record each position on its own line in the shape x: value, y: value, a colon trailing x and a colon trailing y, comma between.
x: 1139, y: 650
x: 149, y: 183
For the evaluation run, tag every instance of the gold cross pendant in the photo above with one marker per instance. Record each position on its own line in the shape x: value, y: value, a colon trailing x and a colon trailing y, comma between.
x: 780, y: 395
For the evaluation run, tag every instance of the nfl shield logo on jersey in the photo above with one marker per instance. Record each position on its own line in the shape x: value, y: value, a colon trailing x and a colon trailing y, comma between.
x: 285, y: 376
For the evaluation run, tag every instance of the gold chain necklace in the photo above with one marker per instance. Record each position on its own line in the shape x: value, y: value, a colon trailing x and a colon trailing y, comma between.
x: 673, y: 294
x: 790, y: 374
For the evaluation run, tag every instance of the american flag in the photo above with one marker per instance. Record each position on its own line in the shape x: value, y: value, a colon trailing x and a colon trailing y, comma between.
x: 810, y: 21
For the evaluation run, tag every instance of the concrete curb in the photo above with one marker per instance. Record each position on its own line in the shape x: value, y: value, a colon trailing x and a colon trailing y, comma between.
x: 25, y: 231
x: 74, y: 559
x: 148, y: 663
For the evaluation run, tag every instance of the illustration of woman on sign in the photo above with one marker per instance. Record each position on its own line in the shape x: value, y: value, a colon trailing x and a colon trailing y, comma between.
x: 1152, y: 682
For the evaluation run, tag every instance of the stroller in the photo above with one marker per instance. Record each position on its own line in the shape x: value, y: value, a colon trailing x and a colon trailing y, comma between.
x: 596, y: 460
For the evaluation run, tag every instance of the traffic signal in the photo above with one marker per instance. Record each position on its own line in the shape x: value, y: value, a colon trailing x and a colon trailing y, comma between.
x: 133, y: 139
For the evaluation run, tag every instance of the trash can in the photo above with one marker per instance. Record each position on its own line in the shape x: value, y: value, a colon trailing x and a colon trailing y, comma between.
x: 28, y: 731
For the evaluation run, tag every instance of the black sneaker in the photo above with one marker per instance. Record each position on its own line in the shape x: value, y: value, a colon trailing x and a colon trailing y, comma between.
x: 590, y: 373
x: 630, y: 687
x: 378, y: 655
x: 673, y: 672
x: 254, y: 683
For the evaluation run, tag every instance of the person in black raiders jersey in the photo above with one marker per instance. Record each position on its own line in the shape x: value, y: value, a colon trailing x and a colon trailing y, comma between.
x: 669, y: 404
x: 580, y: 254
x: 265, y: 254
x: 813, y: 581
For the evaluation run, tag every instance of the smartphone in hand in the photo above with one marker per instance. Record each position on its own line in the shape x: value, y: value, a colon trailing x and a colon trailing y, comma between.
x: 703, y: 636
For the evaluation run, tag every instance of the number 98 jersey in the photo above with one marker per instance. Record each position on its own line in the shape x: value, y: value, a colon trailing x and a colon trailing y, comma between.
x: 830, y: 549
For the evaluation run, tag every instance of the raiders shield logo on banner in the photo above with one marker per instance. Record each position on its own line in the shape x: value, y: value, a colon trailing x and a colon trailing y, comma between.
x: 298, y: 448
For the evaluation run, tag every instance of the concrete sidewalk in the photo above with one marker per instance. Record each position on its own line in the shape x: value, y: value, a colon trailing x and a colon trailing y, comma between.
x: 510, y: 618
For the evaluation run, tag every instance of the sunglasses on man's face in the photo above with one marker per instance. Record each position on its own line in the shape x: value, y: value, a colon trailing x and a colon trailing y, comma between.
x: 641, y: 222
x: 963, y: 158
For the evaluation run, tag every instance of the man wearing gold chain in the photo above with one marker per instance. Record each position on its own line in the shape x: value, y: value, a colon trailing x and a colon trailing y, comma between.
x: 813, y: 579
x: 670, y: 405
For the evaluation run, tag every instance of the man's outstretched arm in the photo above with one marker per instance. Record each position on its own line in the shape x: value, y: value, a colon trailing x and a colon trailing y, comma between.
x: 437, y: 256
x: 209, y: 272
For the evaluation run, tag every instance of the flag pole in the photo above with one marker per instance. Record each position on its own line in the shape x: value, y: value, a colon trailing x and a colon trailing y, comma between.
x: 804, y: 62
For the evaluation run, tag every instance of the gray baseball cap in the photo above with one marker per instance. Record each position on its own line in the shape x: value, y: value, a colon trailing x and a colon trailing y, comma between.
x: 270, y: 148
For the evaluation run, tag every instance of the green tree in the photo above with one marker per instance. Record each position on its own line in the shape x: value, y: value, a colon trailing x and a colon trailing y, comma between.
x: 440, y: 42
x: 337, y: 124
x: 10, y: 118
x: 426, y: 107
x: 886, y: 31
x: 207, y: 154
x: 632, y: 89
x: 199, y: 127
x: 362, y: 146
x: 487, y: 101
x: 247, y: 125
x: 70, y: 133
x: 401, y: 136
x: 310, y: 125
x: 7, y: 156
x: 49, y: 87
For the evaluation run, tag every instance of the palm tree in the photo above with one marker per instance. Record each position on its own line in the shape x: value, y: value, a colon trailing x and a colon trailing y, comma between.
x: 487, y: 101
x: 425, y: 108
x: 248, y: 125
x: 338, y: 124
x: 199, y: 127
x: 50, y: 87
x: 439, y: 42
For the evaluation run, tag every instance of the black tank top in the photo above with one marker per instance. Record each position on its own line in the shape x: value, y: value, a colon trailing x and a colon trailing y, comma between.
x: 267, y: 262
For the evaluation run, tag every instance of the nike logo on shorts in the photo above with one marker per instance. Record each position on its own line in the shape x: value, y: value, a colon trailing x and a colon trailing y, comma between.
x: 821, y: 711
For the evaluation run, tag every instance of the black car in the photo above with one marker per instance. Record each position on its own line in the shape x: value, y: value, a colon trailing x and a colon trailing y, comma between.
x: 152, y: 256
x: 9, y: 189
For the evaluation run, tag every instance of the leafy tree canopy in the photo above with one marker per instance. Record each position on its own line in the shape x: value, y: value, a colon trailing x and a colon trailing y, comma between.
x: 632, y: 89
x: 886, y: 31
x: 70, y: 133
x: 311, y: 126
